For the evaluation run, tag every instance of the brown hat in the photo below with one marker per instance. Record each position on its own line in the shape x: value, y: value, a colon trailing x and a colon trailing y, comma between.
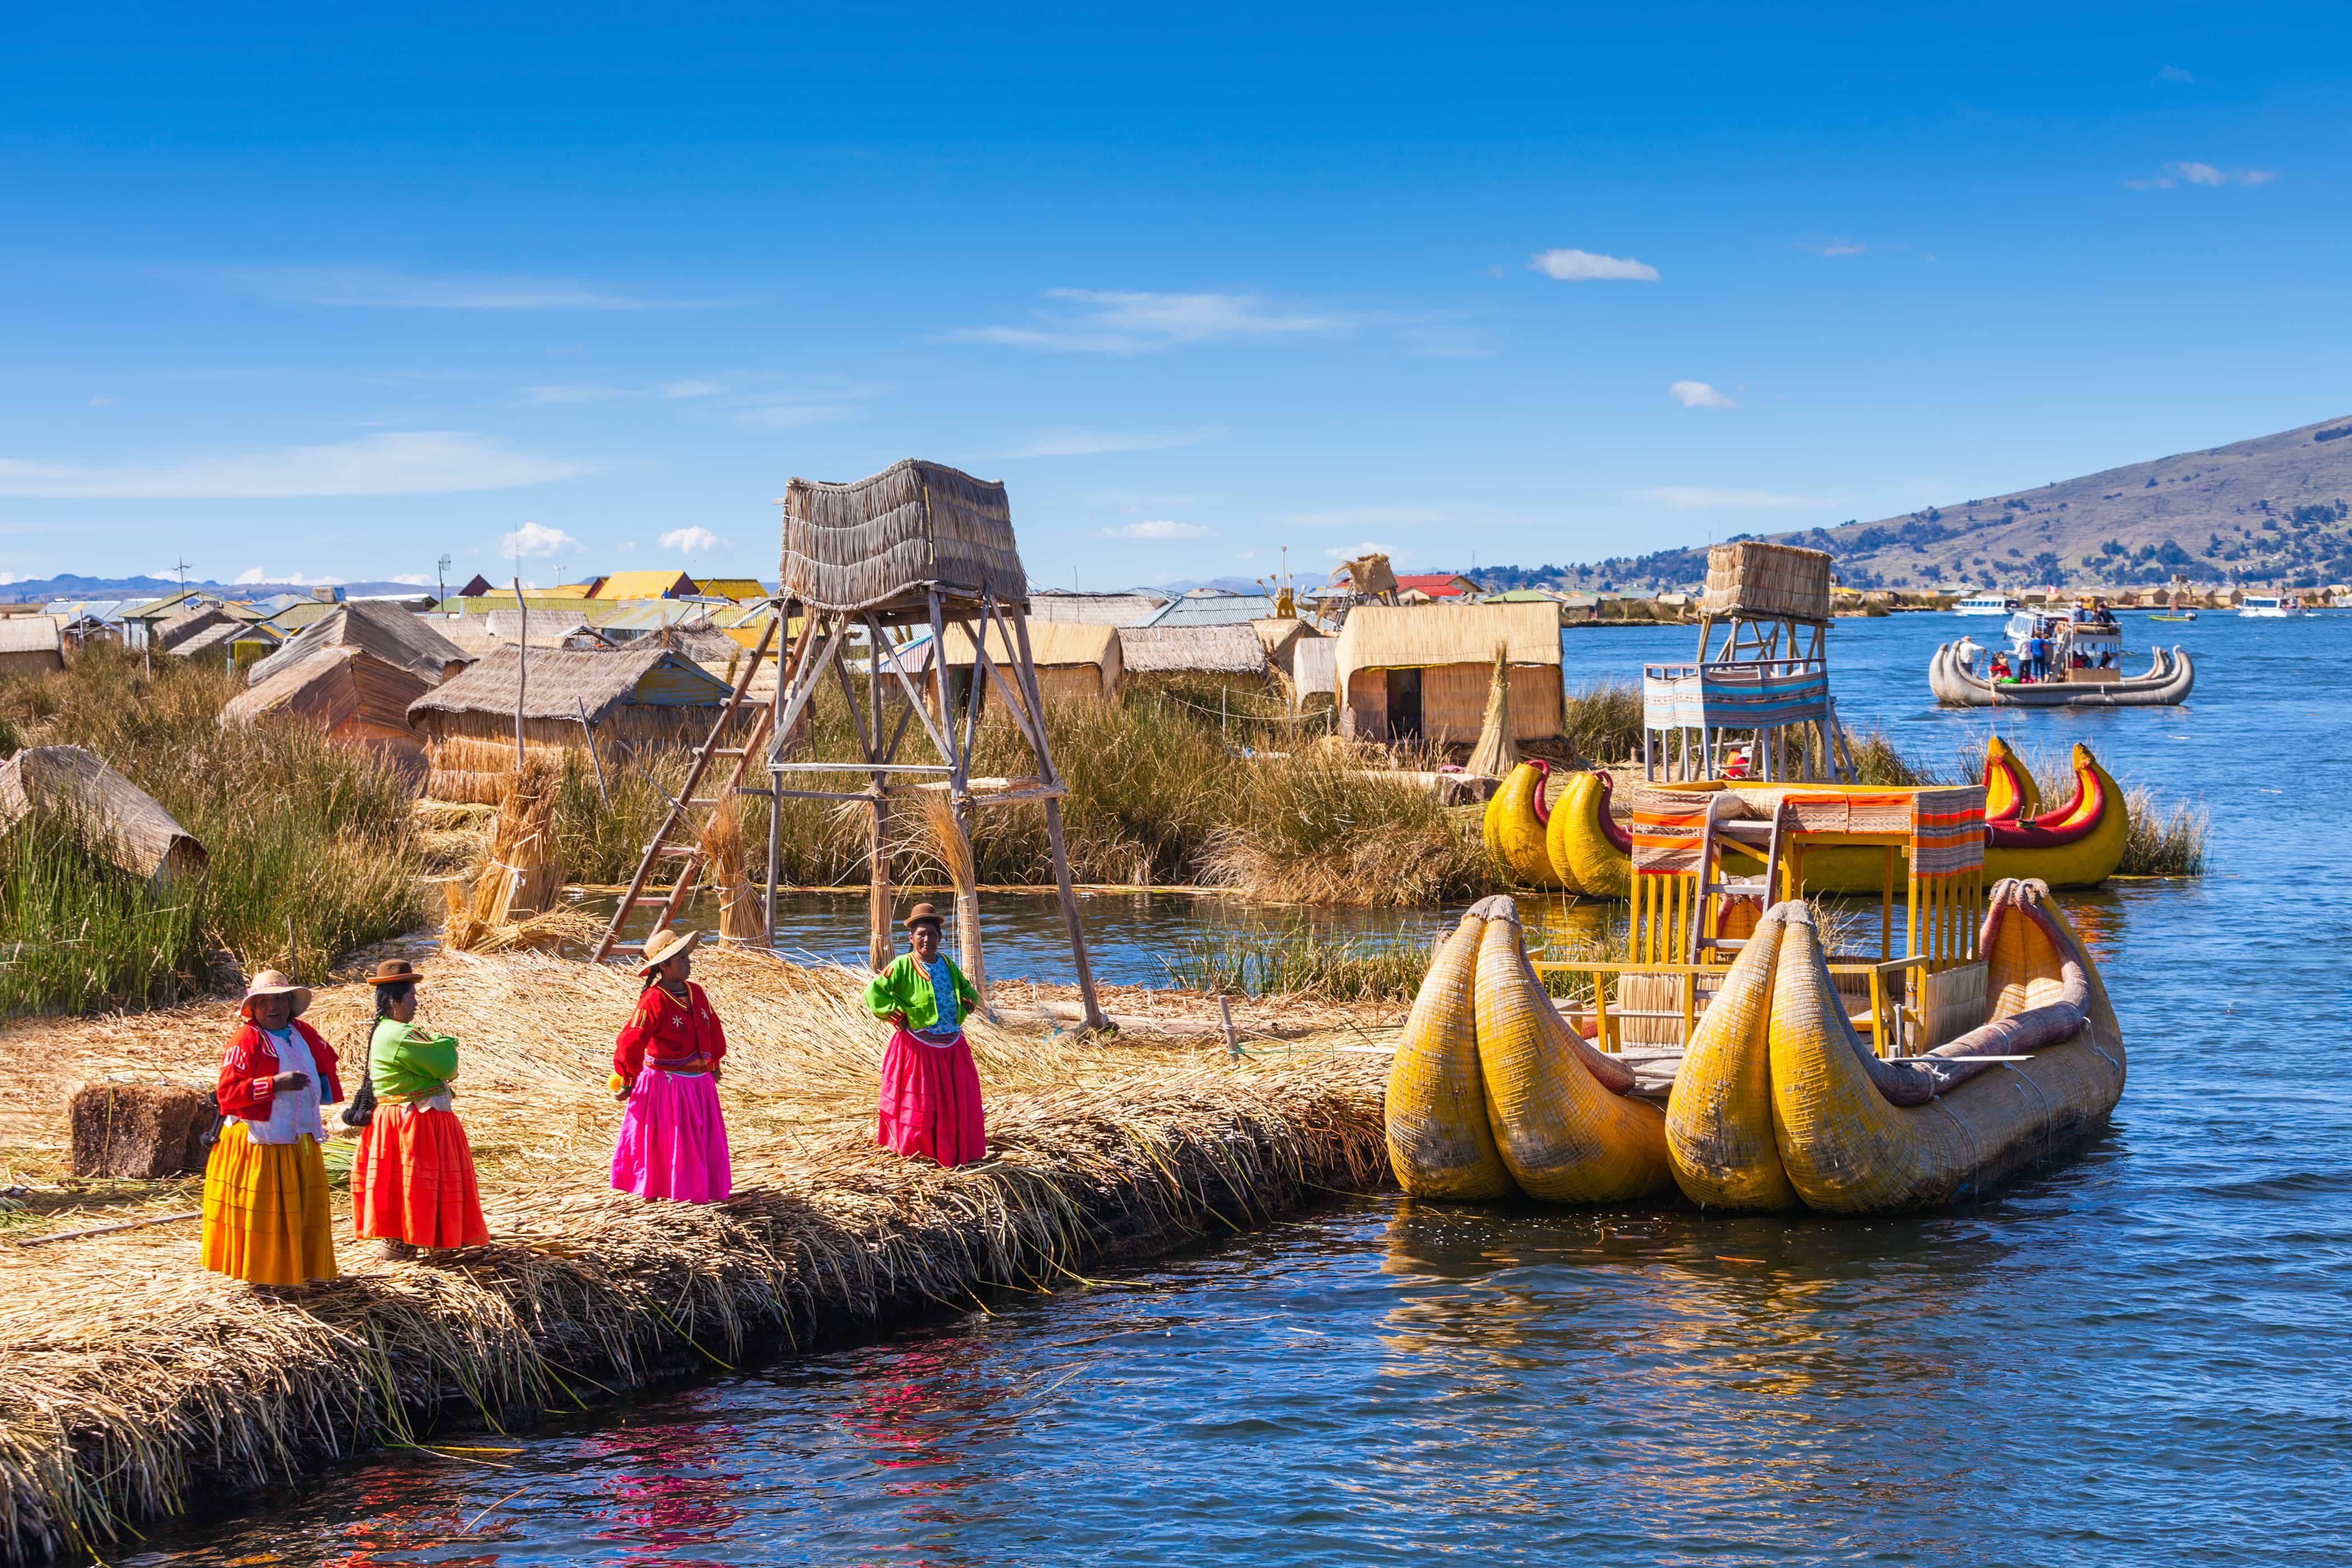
x: 274, y: 983
x: 920, y: 913
x: 394, y: 972
x: 665, y: 944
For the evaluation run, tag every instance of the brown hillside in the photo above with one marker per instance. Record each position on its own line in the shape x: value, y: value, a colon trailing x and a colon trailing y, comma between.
x: 2272, y: 511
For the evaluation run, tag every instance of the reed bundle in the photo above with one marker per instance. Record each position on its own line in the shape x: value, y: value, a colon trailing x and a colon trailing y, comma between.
x: 523, y: 876
x: 1496, y: 753
x: 137, y: 1379
x: 742, y: 914
x: 943, y: 835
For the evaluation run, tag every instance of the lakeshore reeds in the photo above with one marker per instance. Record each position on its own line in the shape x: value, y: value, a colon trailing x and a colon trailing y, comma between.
x: 312, y: 844
x: 1601, y: 722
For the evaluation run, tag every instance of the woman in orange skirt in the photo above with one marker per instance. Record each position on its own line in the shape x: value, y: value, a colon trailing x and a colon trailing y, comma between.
x: 412, y: 1180
x: 265, y: 1198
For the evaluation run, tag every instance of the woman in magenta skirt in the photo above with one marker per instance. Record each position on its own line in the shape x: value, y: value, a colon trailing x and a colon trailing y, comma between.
x: 665, y: 1070
x: 931, y: 1091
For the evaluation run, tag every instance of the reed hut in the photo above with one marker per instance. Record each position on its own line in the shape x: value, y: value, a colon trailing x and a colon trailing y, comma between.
x: 1405, y: 672
x: 350, y: 694
x: 387, y: 631
x: 30, y: 644
x: 1314, y: 670
x: 193, y: 631
x: 619, y: 703
x: 119, y: 819
x: 1077, y: 660
x: 1280, y: 635
x: 1196, y: 657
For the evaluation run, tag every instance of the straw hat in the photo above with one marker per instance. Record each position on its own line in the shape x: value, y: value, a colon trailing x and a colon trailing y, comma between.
x: 274, y: 982
x: 665, y: 944
x: 920, y: 913
x: 393, y: 972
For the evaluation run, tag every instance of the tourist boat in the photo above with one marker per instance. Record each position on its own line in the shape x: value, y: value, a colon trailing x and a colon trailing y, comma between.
x: 1790, y: 1075
x: 2087, y: 670
x: 1589, y: 851
x: 2174, y: 615
x: 2270, y: 607
x: 1987, y: 604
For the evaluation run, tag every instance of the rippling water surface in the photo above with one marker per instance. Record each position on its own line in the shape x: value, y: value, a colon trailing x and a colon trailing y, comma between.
x: 2139, y: 1356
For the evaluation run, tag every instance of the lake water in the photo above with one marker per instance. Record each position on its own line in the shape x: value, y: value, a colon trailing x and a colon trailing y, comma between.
x: 2138, y: 1357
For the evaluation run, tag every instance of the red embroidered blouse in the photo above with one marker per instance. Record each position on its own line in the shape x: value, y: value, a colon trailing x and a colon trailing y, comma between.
x: 661, y: 1033
x: 251, y: 1062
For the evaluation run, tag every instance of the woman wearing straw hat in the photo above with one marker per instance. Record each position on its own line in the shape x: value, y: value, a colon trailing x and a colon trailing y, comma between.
x: 666, y: 1070
x: 931, y: 1091
x: 412, y: 1180
x: 266, y: 1200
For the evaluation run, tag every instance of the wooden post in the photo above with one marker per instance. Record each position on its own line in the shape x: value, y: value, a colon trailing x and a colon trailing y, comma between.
x: 877, y: 906
x: 523, y: 668
x: 1028, y: 675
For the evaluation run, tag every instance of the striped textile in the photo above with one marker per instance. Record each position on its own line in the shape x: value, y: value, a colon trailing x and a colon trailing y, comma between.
x: 1948, y: 831
x: 1733, y: 696
x: 1669, y: 830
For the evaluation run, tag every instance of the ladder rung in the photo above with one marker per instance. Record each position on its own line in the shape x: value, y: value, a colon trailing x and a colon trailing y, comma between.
x: 628, y: 946
x: 725, y: 750
x: 677, y: 851
x: 763, y: 794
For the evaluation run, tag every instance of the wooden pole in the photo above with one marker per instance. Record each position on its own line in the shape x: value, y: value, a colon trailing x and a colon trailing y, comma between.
x: 523, y: 668
x: 878, y: 911
x: 1027, y: 674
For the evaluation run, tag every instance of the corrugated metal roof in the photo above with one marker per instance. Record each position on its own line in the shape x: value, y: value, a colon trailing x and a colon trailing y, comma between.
x: 1095, y: 609
x: 1211, y: 607
x: 647, y: 615
x: 28, y: 634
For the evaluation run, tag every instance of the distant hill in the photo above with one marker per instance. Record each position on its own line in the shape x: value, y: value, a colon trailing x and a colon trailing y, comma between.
x: 2276, y: 510
x: 69, y: 585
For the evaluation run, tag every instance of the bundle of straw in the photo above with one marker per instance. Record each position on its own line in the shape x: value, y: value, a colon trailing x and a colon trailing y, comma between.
x: 945, y: 838
x: 740, y: 913
x: 1497, y: 751
x: 523, y: 876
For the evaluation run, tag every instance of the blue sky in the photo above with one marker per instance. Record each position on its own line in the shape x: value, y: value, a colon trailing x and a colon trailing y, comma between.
x: 331, y: 291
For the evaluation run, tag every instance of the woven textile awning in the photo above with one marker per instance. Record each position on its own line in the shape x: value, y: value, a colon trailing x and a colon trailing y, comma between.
x: 1742, y: 696
x: 1943, y: 829
x: 884, y: 541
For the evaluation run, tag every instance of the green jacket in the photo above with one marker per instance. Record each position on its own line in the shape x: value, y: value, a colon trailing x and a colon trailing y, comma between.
x: 905, y: 988
x: 404, y: 1063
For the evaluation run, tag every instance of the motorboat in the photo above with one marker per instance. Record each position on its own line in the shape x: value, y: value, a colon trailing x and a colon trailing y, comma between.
x: 1987, y: 604
x: 2270, y: 607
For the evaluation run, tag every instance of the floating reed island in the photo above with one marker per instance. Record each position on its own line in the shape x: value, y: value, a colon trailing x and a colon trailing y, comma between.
x: 138, y: 1384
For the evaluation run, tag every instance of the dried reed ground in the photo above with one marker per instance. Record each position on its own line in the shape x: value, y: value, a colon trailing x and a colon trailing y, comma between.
x: 135, y: 1381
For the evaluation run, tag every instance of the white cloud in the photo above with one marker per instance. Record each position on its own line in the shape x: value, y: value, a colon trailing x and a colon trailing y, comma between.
x: 1365, y: 517
x: 1840, y: 246
x: 1586, y: 267
x: 411, y: 579
x: 689, y: 388
x: 1105, y: 321
x: 2207, y: 174
x: 251, y: 575
x: 694, y: 539
x: 413, y: 462
x: 1685, y: 498
x: 1158, y: 530
x: 1087, y: 443
x: 1698, y: 395
x: 574, y: 391
x: 2173, y: 73
x: 1361, y: 548
x: 254, y: 576
x: 536, y: 539
x: 378, y: 288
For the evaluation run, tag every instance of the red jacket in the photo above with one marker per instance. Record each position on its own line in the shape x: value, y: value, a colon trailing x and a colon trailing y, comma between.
x: 251, y: 1062
x: 660, y: 1033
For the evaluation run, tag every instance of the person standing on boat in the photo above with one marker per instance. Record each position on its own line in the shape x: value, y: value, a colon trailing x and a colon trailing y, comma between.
x: 1968, y: 649
x: 665, y: 1070
x: 266, y: 1219
x: 412, y: 1179
x: 2037, y: 655
x: 931, y: 1091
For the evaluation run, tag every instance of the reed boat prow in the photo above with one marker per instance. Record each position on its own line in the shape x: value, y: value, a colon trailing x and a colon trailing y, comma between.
x: 2171, y: 677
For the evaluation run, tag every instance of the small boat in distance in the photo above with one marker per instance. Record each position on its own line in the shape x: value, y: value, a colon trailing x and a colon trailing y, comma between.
x: 2172, y: 616
x: 2270, y: 607
x: 1987, y: 605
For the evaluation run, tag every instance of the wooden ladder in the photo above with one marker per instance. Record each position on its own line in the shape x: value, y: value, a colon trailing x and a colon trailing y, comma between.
x: 688, y: 855
x: 1713, y: 880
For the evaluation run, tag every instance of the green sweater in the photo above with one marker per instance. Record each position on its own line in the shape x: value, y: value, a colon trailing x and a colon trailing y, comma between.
x: 905, y: 988
x: 404, y: 1063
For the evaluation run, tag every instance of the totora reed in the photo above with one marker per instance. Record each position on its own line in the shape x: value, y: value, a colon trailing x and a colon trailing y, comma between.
x: 138, y: 1384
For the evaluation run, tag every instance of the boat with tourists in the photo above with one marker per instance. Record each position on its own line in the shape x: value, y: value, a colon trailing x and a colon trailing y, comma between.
x: 2270, y: 607
x: 1987, y: 605
x: 1738, y: 1055
x: 2062, y: 658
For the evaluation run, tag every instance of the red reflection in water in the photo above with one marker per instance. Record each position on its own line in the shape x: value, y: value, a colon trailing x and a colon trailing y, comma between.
x: 403, y: 1512
x: 682, y: 1501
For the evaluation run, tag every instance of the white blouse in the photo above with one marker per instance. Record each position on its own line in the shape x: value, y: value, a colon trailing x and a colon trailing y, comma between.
x: 293, y: 1115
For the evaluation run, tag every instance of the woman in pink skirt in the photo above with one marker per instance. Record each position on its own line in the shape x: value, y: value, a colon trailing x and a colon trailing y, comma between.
x: 665, y: 1070
x: 930, y: 1092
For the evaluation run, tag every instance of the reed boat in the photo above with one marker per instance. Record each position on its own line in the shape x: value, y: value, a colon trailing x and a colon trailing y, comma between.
x: 1515, y: 824
x: 1492, y: 1092
x: 1780, y: 1102
x: 2169, y: 679
x: 2079, y: 845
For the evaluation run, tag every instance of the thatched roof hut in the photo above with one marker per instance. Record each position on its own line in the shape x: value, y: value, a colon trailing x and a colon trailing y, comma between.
x: 176, y: 632
x: 1313, y: 666
x: 622, y: 702
x: 1227, y: 648
x: 883, y: 541
x: 347, y: 692
x: 1076, y: 660
x: 1101, y: 609
x: 387, y: 631
x: 1420, y: 671
x: 30, y: 644
x: 121, y: 821
x: 1280, y: 635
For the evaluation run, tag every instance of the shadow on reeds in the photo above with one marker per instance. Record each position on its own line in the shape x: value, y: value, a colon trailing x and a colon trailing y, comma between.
x: 310, y: 845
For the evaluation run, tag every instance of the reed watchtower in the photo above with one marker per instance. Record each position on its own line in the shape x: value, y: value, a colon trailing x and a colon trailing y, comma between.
x: 1762, y: 672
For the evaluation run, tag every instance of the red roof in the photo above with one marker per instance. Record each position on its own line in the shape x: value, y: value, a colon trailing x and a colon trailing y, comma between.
x: 1437, y: 585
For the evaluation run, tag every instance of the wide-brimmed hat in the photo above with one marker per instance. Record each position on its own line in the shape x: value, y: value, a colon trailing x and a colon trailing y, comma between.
x: 394, y: 972
x: 274, y: 982
x: 665, y: 944
x: 922, y: 913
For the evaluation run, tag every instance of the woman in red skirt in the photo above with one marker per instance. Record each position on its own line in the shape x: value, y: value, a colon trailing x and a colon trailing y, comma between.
x: 412, y: 1179
x: 931, y: 1091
